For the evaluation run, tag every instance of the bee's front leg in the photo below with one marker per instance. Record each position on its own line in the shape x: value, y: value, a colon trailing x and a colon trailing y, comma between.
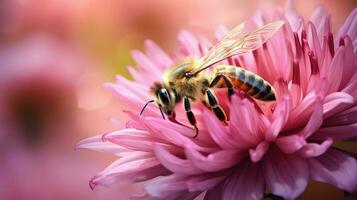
x: 227, y: 81
x: 190, y: 116
x: 213, y: 103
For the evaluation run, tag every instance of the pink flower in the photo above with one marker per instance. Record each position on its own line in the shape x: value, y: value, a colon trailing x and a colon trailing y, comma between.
x: 279, y: 146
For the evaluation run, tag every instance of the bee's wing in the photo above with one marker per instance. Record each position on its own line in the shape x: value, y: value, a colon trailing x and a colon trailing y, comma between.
x: 229, y: 46
x: 234, y: 32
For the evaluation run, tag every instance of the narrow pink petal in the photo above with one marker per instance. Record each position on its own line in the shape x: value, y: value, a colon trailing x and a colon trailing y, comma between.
x: 184, y: 195
x: 352, y: 32
x: 280, y: 117
x: 346, y: 117
x: 290, y: 144
x: 318, y: 18
x: 315, y: 120
x: 345, y: 132
x: 292, y: 16
x: 314, y: 149
x: 336, y: 70
x: 336, y: 102
x: 205, y: 182
x: 140, y: 77
x: 124, y: 85
x: 336, y: 168
x: 243, y: 122
x: 351, y: 87
x: 139, y: 141
x: 174, y: 163
x: 204, y: 45
x: 285, y: 175
x: 145, y: 64
x: 314, y: 41
x: 189, y: 43
x: 246, y: 182
x: 140, y: 90
x: 348, y: 25
x: 133, y: 167
x: 160, y: 58
x: 215, y: 161
x: 136, y: 121
x: 175, y: 134
x: 274, y: 129
x: 349, y: 61
x: 218, y: 131
x: 258, y: 153
x: 216, y: 192
x: 96, y: 143
x: 164, y: 186
x: 132, y: 98
x: 300, y: 114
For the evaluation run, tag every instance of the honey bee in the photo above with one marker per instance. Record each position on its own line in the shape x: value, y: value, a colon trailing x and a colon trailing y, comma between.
x: 187, y: 81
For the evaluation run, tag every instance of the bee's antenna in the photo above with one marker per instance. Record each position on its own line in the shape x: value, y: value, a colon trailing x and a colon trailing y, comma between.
x: 152, y: 101
x: 142, y: 110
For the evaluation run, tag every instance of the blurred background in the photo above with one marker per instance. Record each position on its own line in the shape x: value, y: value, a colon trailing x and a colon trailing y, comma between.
x: 55, y: 56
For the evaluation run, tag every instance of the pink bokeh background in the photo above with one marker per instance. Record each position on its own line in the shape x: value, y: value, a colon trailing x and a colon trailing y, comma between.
x: 55, y: 56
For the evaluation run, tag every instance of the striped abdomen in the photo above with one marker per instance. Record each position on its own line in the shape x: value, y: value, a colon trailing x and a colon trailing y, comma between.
x: 247, y: 81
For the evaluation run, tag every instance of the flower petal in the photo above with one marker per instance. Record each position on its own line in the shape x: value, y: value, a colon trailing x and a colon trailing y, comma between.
x: 205, y: 182
x: 215, y: 161
x: 189, y: 43
x: 258, y: 153
x: 346, y: 117
x: 175, y: 134
x: 280, y: 117
x: 336, y: 168
x: 336, y: 70
x: 158, y: 55
x: 145, y: 64
x: 135, y: 166
x: 246, y: 182
x: 336, y: 102
x: 314, y: 149
x: 137, y: 140
x: 218, y: 131
x: 174, y: 163
x: 96, y: 143
x: 345, y: 132
x: 244, y: 123
x: 164, y: 186
x: 300, y: 114
x: 349, y: 61
x: 315, y: 120
x: 290, y: 144
x: 349, y: 25
x: 285, y: 175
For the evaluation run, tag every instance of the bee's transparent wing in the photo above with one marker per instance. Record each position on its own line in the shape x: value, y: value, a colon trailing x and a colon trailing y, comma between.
x: 234, y: 32
x: 230, y: 46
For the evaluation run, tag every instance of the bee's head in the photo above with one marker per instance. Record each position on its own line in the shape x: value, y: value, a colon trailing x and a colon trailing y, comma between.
x: 165, y: 98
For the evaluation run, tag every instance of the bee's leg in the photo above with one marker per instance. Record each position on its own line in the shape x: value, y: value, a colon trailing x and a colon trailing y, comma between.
x: 190, y: 116
x: 228, y: 82
x: 218, y: 111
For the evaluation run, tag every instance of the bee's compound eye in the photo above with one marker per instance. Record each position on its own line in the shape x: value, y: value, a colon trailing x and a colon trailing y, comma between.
x: 188, y: 75
x: 164, y: 96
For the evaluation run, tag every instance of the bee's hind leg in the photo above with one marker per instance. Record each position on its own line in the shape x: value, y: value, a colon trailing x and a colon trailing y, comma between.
x: 190, y: 116
x: 226, y: 80
x: 213, y: 103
